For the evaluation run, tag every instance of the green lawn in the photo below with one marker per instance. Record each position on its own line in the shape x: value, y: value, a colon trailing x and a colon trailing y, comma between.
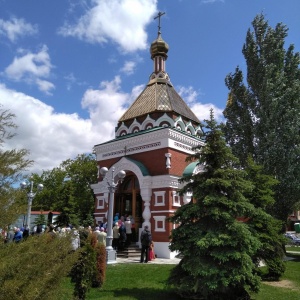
x: 147, y: 282
x: 293, y: 248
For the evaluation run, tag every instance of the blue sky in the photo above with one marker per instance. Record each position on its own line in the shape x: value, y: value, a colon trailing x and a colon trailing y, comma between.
x: 70, y: 69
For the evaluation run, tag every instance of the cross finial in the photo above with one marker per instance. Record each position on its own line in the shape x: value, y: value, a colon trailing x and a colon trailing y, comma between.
x: 158, y: 17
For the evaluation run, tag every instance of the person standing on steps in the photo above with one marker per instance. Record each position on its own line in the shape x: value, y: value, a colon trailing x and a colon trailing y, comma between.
x: 116, y: 236
x: 146, y: 239
x: 128, y: 231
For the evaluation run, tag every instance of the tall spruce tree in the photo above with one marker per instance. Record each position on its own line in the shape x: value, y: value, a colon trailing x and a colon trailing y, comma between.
x: 262, y: 114
x: 217, y: 248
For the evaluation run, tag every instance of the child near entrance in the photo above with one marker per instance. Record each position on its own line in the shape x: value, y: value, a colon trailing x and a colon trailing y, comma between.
x: 151, y: 251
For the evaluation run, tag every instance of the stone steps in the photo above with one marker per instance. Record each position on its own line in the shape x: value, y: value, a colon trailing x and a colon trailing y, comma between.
x: 132, y: 251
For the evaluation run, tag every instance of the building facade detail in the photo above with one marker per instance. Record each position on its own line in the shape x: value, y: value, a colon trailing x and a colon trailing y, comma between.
x: 168, y: 160
x: 152, y: 140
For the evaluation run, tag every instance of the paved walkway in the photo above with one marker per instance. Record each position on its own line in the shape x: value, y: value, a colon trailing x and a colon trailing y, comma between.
x: 172, y: 261
x: 162, y: 261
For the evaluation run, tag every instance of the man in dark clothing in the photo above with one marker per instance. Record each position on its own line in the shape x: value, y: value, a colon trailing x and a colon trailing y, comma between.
x: 26, y: 232
x: 146, y: 239
x: 122, y: 239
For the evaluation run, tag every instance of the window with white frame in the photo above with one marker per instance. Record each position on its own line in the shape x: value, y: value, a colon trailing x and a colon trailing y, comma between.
x: 100, y: 201
x: 175, y: 198
x: 99, y: 220
x: 160, y: 223
x: 159, y: 198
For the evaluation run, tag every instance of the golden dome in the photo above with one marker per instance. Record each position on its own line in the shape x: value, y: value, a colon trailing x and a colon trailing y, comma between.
x: 159, y: 47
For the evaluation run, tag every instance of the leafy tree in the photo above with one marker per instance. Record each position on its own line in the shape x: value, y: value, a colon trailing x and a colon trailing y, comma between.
x: 262, y: 225
x: 217, y: 248
x: 83, y: 172
x: 13, y: 163
x: 40, y: 220
x: 67, y: 190
x: 262, y: 114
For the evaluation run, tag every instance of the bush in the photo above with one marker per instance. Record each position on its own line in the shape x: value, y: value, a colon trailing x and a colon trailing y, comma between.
x: 33, y: 269
x: 101, y: 265
x: 89, y: 270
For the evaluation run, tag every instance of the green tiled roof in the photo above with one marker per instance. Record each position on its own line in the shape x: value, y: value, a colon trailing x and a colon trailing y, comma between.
x: 189, y: 169
x: 143, y: 169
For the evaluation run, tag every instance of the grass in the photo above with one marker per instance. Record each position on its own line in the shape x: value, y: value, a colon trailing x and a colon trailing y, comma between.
x: 288, y: 288
x: 131, y: 282
x: 293, y: 248
x: 147, y: 282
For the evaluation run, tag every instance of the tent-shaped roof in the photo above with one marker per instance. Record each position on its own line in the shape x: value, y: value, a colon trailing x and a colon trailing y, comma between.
x: 159, y: 96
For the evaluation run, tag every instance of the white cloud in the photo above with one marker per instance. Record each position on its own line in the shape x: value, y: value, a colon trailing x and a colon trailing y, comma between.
x: 212, y: 1
x: 50, y: 137
x: 202, y: 111
x: 45, y: 86
x: 54, y: 137
x: 121, y: 21
x: 15, y: 28
x: 106, y: 105
x: 31, y: 67
x: 128, y: 67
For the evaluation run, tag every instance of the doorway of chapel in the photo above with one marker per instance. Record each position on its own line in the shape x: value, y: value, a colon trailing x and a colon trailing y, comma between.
x: 128, y: 203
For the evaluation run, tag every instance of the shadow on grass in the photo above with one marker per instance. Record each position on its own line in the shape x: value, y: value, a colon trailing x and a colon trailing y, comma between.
x: 138, y: 294
x: 295, y: 257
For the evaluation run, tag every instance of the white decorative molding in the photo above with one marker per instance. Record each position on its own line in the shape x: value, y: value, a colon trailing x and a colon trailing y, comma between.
x: 189, y: 127
x: 159, y: 199
x: 99, y: 187
x: 179, y: 124
x: 126, y: 165
x: 100, y: 202
x: 168, y: 160
x: 160, y: 223
x: 134, y: 124
x: 133, y: 149
x: 175, y: 199
x: 146, y: 196
x: 149, y: 141
x: 170, y: 211
x: 187, y: 198
x: 99, y: 220
x: 164, y: 119
x: 148, y: 121
x: 165, y: 181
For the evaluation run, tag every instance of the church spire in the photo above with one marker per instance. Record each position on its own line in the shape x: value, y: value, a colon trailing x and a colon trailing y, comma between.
x: 159, y: 49
x: 158, y: 17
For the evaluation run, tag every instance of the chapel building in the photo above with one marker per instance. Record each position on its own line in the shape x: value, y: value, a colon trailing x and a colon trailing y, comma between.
x: 152, y: 140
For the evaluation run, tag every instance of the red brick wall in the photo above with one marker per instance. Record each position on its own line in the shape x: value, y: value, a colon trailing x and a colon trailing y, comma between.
x: 155, y: 161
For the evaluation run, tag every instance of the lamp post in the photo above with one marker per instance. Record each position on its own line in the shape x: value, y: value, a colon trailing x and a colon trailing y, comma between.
x: 30, y: 197
x: 111, y: 256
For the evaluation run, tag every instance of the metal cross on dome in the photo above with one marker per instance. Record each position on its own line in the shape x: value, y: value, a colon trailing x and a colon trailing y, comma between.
x: 158, y: 17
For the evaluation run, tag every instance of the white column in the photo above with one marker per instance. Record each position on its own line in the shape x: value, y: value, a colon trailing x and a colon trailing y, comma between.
x: 168, y: 160
x: 146, y: 196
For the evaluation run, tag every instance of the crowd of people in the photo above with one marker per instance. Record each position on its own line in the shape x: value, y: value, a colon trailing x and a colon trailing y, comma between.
x: 18, y: 234
x: 123, y: 233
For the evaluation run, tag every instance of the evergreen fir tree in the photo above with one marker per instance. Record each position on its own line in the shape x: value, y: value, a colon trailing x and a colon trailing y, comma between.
x: 217, y: 248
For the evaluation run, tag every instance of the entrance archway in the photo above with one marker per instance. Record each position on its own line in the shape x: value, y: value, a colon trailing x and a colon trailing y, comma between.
x: 128, y: 202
